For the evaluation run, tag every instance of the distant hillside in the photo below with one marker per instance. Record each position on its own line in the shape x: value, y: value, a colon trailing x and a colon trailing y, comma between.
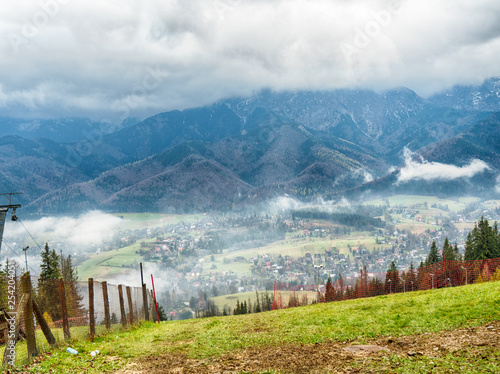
x: 301, y: 143
x: 235, y: 170
x: 481, y: 141
x: 485, y: 97
x: 65, y: 130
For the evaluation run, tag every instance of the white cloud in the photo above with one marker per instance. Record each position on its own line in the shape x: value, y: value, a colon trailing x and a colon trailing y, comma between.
x: 88, y: 229
x: 428, y: 171
x: 73, y: 58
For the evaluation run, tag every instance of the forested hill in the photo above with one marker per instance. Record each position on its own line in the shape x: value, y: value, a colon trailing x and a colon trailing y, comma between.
x: 304, y: 144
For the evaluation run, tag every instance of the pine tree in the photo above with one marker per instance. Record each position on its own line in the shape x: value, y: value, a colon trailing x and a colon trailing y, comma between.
x: 470, y: 246
x: 433, y: 256
x: 48, y: 287
x: 73, y: 297
x: 330, y: 291
x: 392, y: 278
x: 237, y: 310
x: 257, y: 303
x: 482, y: 242
x: 448, y: 251
x: 457, y: 254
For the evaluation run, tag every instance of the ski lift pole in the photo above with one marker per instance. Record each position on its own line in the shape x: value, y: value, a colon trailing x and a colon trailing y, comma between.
x: 3, y: 212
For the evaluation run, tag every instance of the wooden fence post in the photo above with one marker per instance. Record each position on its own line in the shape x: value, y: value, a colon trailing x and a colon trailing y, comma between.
x: 145, y: 302
x: 29, y: 327
x: 26, y: 308
x: 152, y: 310
x: 130, y: 307
x: 43, y: 324
x: 91, y: 310
x: 64, y: 310
x: 107, y: 320
x: 122, y: 306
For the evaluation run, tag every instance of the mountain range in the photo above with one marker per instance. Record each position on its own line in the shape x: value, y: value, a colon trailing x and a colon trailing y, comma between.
x: 240, y: 151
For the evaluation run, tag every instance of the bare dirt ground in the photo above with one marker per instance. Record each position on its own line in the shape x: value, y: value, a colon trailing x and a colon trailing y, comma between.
x: 330, y: 357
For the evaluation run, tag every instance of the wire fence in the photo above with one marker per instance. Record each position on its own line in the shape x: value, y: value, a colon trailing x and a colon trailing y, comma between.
x: 368, y: 284
x: 49, y: 313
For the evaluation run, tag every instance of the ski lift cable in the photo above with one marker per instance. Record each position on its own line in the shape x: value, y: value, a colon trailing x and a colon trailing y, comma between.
x: 38, y: 245
x: 8, y: 246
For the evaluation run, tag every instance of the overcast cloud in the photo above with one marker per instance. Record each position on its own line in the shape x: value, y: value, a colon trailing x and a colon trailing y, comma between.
x: 124, y: 58
x: 421, y: 169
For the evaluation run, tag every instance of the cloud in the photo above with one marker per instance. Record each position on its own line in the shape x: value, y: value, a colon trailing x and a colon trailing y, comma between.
x: 429, y: 171
x: 82, y: 232
x: 72, y: 58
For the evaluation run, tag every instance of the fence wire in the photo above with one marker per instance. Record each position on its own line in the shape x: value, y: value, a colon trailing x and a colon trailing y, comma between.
x: 368, y: 284
x: 46, y: 295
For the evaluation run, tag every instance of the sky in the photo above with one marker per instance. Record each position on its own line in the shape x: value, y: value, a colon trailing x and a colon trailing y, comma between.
x: 109, y: 60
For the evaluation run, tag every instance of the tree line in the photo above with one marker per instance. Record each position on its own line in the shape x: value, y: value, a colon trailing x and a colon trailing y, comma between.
x: 349, y: 219
x: 46, y: 289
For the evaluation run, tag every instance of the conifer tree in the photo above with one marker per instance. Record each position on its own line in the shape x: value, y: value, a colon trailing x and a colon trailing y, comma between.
x: 70, y: 276
x: 482, y: 242
x: 433, y: 256
x: 329, y: 291
x: 448, y: 251
x: 412, y: 278
x: 48, y: 287
x: 257, y: 303
x: 392, y: 278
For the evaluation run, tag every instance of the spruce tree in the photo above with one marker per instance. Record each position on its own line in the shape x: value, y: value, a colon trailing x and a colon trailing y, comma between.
x: 330, y: 291
x: 470, y: 246
x: 70, y: 277
x: 392, y: 278
x: 448, y: 251
x: 433, y: 256
x: 257, y: 303
x: 482, y: 242
x: 48, y: 286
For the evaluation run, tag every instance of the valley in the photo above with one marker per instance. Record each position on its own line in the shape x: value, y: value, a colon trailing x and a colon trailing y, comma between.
x: 208, y: 256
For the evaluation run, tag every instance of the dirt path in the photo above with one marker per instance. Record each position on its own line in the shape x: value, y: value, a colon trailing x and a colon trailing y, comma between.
x: 331, y: 357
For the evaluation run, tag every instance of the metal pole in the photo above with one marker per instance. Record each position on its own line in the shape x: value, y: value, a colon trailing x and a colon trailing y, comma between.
x: 154, y: 294
x: 26, y: 256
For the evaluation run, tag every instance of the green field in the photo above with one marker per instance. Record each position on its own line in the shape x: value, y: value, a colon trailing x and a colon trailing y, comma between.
x: 198, y: 343
x: 105, y: 264
x: 290, y: 247
x: 413, y: 200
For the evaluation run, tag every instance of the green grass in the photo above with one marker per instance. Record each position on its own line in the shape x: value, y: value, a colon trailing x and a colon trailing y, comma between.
x: 293, y: 247
x: 100, y: 265
x: 355, y: 320
x: 412, y: 200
